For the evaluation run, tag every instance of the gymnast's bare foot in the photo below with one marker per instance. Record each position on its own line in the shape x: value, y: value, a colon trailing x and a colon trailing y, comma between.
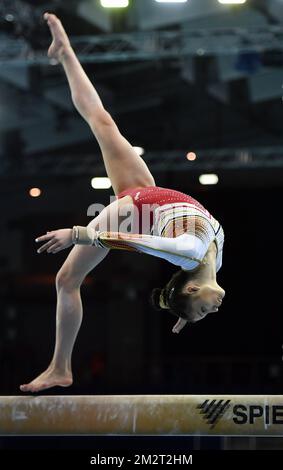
x: 49, y: 378
x: 60, y: 43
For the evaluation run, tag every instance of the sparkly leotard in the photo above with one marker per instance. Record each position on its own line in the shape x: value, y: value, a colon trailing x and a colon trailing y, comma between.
x: 170, y: 211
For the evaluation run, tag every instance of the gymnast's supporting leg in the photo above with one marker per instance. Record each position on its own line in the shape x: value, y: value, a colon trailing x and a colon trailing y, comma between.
x: 81, y: 260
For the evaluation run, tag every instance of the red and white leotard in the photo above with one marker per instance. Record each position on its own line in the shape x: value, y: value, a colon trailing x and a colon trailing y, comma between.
x: 171, y: 209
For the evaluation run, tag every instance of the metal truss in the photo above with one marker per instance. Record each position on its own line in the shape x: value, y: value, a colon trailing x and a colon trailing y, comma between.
x: 152, y: 45
x: 207, y: 160
x: 219, y: 159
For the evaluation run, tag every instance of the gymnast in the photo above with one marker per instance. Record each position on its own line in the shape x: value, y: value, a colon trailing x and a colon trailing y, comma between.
x: 179, y: 229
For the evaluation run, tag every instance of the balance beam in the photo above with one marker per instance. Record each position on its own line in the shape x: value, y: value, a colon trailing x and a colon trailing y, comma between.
x: 245, y: 415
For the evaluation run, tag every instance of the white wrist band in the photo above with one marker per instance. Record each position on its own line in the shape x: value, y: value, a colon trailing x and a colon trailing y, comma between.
x: 84, y: 236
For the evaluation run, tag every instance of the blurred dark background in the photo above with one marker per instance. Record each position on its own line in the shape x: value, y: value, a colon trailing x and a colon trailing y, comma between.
x: 197, y: 77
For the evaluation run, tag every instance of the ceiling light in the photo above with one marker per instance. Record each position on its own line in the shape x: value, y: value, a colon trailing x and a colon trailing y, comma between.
x: 35, y: 192
x: 209, y: 178
x: 231, y: 2
x: 101, y: 183
x: 114, y: 3
x: 191, y: 156
x: 139, y: 150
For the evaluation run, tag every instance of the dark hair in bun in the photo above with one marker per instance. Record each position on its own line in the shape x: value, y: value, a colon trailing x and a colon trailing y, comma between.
x: 179, y: 304
x: 155, y: 297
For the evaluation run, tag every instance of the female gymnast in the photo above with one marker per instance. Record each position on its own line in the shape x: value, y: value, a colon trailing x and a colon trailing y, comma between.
x: 180, y: 229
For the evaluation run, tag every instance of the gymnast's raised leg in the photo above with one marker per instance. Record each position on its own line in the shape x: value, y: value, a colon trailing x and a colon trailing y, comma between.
x: 125, y: 169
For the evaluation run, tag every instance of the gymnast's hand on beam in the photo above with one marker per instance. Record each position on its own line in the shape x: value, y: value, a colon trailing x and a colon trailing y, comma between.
x: 56, y: 240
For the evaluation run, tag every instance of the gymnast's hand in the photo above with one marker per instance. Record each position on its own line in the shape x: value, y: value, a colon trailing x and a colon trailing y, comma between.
x: 56, y: 240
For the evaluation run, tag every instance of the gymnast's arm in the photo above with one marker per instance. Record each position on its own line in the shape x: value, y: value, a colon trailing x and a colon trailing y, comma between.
x: 176, y: 250
x: 184, y: 245
x: 180, y: 250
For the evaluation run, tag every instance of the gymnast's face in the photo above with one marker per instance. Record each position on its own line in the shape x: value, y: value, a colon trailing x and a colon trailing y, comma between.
x: 205, y: 299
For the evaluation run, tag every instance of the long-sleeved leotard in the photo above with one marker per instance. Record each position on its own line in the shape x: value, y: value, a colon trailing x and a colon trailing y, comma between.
x: 187, y: 250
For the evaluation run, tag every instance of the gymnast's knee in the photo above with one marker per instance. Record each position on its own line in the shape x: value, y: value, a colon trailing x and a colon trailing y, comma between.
x: 67, y: 281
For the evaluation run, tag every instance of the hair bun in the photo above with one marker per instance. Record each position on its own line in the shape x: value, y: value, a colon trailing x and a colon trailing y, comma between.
x: 154, y: 298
